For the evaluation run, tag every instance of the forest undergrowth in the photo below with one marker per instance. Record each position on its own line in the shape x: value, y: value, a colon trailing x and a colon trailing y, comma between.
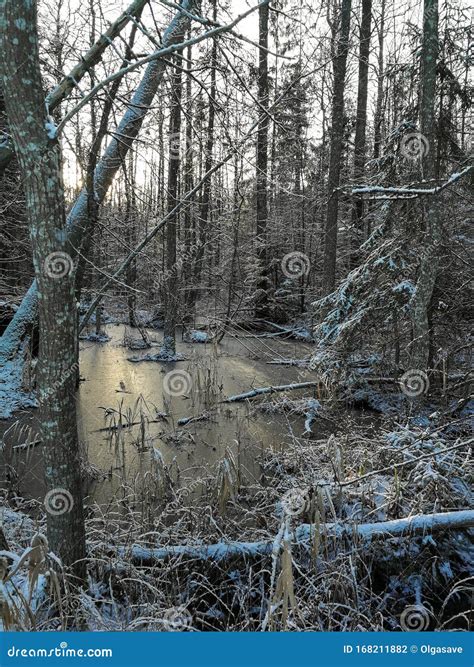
x: 285, y: 552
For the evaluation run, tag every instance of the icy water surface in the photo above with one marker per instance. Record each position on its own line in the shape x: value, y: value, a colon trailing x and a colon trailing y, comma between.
x: 115, y: 390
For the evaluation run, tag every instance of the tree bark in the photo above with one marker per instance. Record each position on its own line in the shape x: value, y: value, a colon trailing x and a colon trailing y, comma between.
x: 188, y: 214
x: 261, y: 309
x: 337, y: 131
x: 429, y: 266
x: 39, y: 156
x: 206, y: 193
x: 171, y: 273
x: 130, y: 236
x: 361, y: 114
x: 380, y: 77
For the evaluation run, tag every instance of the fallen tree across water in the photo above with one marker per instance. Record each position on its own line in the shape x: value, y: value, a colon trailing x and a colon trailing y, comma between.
x: 417, y: 525
x: 259, y: 391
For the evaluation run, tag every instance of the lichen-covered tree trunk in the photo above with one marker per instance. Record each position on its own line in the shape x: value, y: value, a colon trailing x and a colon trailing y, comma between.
x: 39, y: 157
x: 430, y: 257
x: 337, y: 131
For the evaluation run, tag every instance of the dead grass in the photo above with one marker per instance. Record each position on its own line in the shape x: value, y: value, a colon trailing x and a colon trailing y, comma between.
x: 362, y: 470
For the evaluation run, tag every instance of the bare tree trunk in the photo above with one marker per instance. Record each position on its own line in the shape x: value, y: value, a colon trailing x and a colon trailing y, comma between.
x: 188, y: 217
x: 206, y: 193
x: 261, y: 309
x: 380, y: 77
x: 171, y: 273
x: 361, y: 117
x: 337, y: 130
x: 39, y: 156
x: 430, y: 255
x: 130, y: 236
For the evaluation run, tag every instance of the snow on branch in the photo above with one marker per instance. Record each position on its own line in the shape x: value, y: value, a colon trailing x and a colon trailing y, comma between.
x: 160, y: 53
x: 71, y: 80
x: 259, y: 391
x: 410, y: 192
x: 418, y: 525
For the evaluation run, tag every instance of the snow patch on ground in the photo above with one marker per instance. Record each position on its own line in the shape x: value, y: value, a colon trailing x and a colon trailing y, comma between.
x: 384, y: 403
x: 96, y: 337
x: 17, y: 527
x: 196, y: 336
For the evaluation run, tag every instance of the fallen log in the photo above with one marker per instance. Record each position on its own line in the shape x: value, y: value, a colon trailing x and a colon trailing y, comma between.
x: 260, y: 391
x: 204, y: 416
x: 420, y: 524
x: 116, y: 427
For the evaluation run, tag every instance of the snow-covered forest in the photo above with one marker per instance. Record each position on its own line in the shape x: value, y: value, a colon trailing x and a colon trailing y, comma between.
x: 235, y: 288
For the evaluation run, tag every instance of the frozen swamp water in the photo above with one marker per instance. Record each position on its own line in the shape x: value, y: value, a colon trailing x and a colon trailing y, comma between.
x: 114, y: 391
